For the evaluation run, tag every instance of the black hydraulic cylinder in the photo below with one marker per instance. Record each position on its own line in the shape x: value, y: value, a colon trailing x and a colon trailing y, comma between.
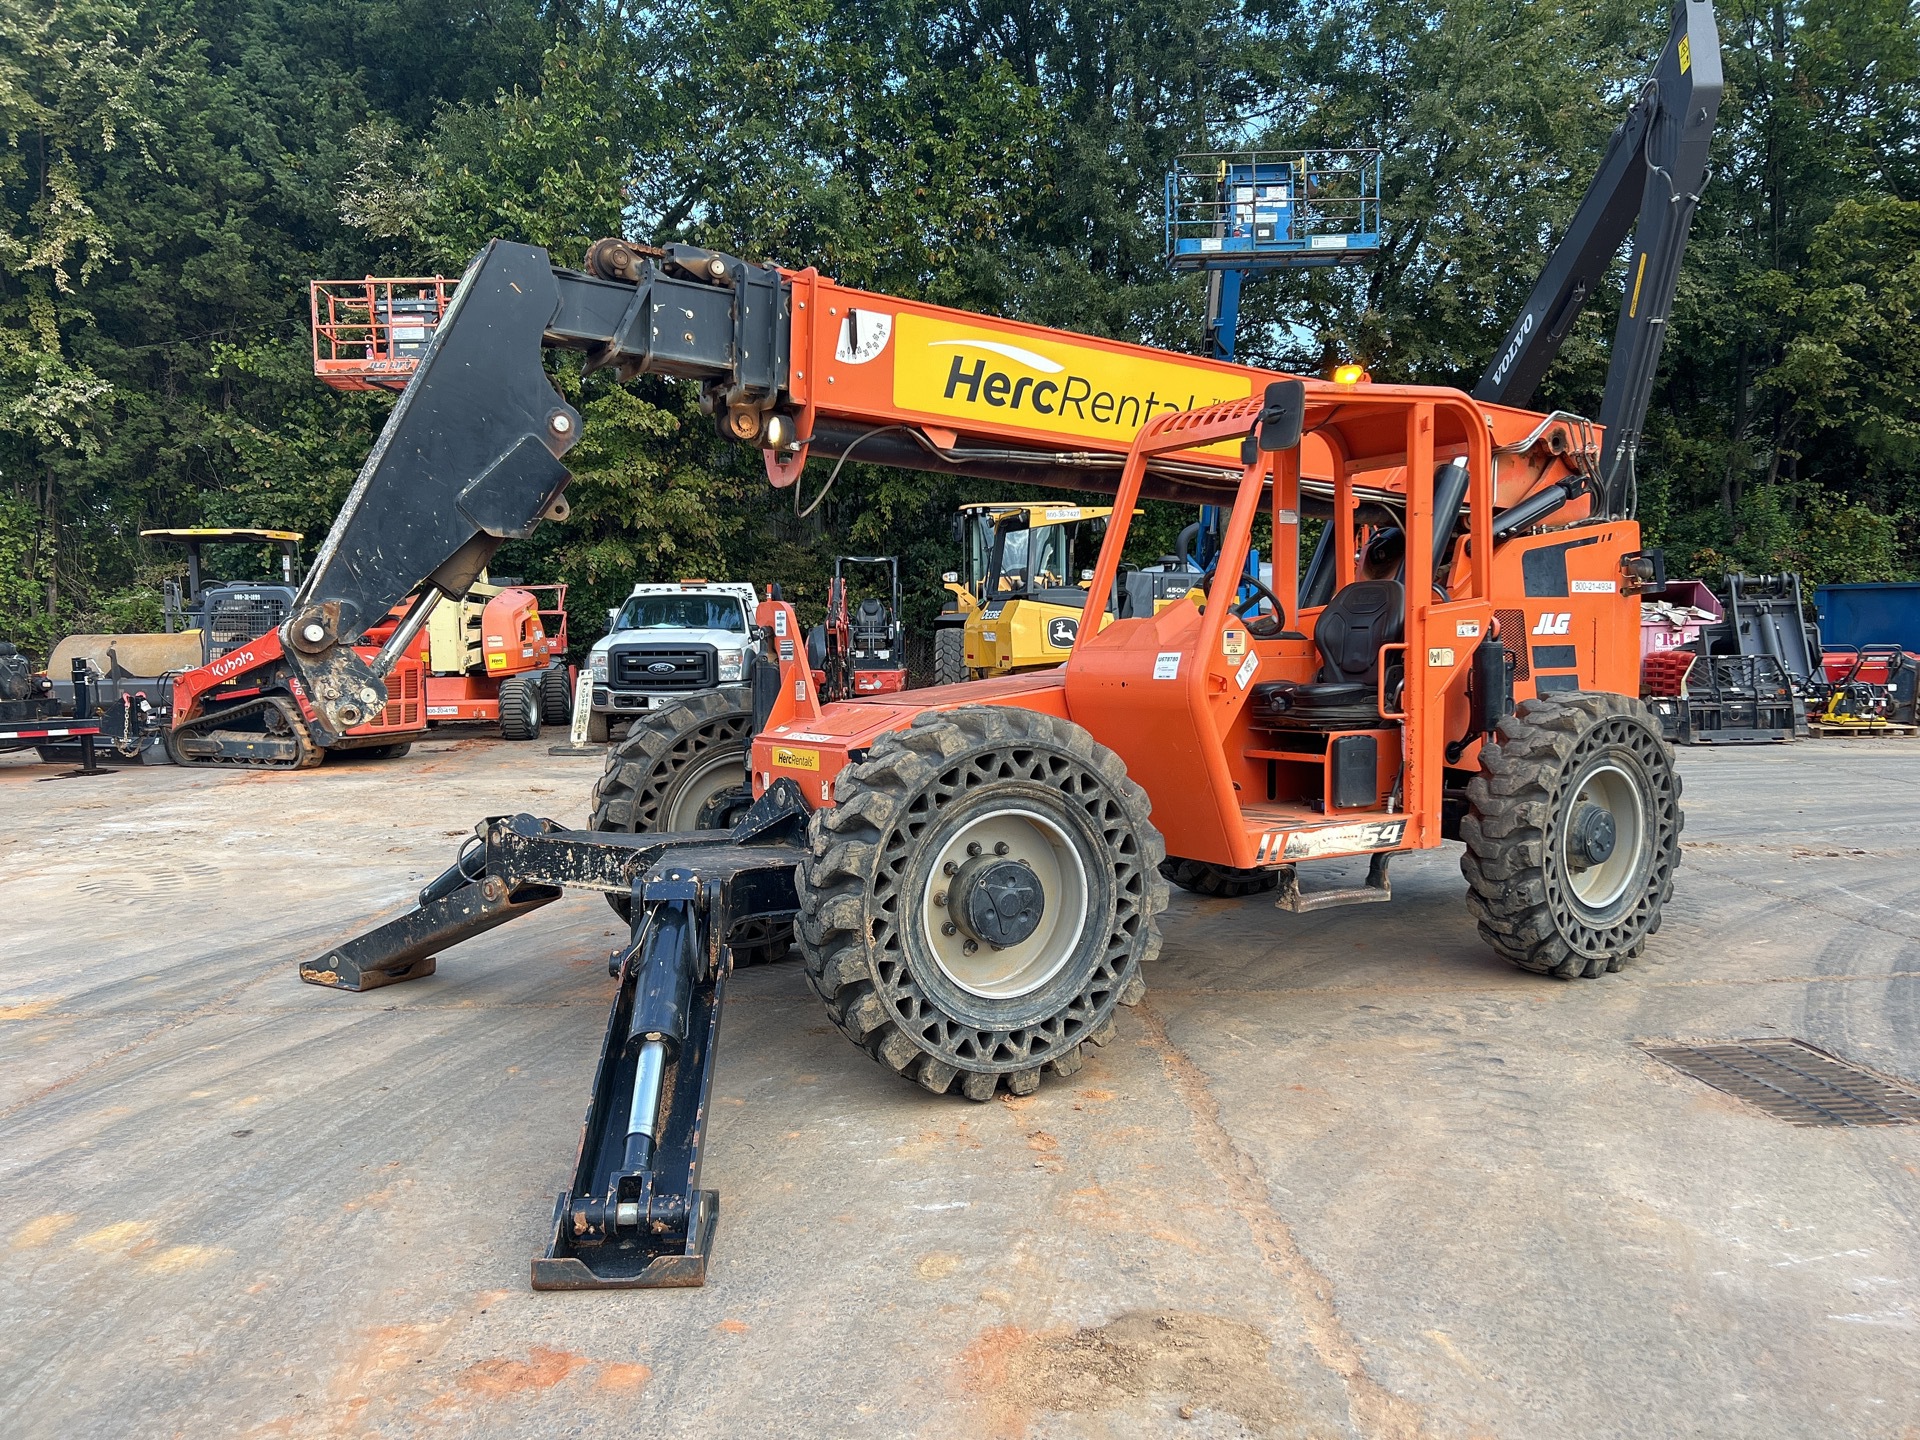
x: 669, y: 962
x: 1449, y: 494
x: 1530, y: 511
x: 1489, y: 686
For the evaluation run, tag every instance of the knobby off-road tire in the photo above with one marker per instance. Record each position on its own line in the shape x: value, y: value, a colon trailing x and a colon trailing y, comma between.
x: 556, y: 695
x: 681, y: 769
x: 873, y: 892
x: 520, y: 707
x: 1572, y: 834
x: 949, y: 655
x: 1222, y: 881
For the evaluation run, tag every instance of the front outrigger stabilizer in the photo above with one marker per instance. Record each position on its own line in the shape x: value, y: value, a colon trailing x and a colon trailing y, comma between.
x: 634, y: 1216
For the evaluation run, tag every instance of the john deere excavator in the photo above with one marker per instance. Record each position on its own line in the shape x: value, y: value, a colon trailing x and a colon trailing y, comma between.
x: 1015, y: 603
x: 974, y: 873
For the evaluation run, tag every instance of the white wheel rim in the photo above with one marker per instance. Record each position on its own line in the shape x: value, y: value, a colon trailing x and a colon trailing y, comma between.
x: 701, y: 784
x: 1014, y: 970
x: 1615, y: 791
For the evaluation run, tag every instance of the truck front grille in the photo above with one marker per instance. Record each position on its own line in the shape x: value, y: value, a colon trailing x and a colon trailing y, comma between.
x: 662, y: 668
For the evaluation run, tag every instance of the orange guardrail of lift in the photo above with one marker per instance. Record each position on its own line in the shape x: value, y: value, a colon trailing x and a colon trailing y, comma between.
x: 370, y: 334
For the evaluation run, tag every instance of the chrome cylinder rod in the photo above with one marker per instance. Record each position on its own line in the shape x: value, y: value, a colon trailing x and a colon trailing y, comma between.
x: 643, y: 1115
x: 404, y: 633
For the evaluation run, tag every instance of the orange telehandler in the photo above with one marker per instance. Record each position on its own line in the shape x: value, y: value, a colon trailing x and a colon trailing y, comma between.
x: 974, y: 874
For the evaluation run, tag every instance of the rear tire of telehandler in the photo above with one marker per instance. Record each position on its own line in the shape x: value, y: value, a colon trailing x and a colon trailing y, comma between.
x: 673, y: 771
x: 520, y: 707
x: 997, y: 805
x: 1220, y: 881
x: 949, y: 655
x: 1572, y: 834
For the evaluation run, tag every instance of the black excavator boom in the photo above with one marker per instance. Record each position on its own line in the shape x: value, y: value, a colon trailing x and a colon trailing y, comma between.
x: 1649, y: 183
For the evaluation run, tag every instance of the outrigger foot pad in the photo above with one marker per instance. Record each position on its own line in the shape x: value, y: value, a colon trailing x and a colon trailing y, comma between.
x: 459, y: 904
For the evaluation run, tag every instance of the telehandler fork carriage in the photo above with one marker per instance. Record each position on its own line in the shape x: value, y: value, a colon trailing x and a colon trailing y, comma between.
x: 973, y: 875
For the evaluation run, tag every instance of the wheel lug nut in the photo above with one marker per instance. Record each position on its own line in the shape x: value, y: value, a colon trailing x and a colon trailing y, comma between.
x: 968, y: 948
x: 949, y: 868
x: 949, y: 929
x: 972, y: 848
x: 1000, y: 848
x: 941, y: 899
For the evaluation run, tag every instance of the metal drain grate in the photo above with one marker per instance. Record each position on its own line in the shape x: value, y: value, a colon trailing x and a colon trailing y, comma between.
x: 1792, y: 1081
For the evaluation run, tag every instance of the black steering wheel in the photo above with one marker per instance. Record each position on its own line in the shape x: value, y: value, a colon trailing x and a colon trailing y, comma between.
x: 1263, y: 627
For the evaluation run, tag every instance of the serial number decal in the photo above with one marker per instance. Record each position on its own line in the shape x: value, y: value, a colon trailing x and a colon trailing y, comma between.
x: 443, y: 709
x: 796, y: 759
x: 1594, y: 587
x: 1345, y: 839
x: 1166, y: 665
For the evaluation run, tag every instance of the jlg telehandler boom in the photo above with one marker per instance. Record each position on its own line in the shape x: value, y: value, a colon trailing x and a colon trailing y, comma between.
x: 974, y: 874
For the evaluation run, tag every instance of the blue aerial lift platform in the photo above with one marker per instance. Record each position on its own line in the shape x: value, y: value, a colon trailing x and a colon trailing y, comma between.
x: 1232, y: 213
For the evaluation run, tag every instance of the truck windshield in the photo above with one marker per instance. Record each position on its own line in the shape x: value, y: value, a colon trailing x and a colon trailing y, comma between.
x: 682, y: 612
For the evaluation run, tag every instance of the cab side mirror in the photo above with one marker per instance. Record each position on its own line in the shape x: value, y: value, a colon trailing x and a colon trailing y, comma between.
x: 1283, y: 415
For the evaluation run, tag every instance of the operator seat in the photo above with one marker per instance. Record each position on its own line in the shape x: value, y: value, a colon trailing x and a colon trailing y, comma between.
x: 871, y: 630
x: 1355, y: 624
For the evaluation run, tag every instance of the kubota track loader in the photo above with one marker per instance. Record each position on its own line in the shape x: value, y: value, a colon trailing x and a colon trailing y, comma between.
x: 975, y: 874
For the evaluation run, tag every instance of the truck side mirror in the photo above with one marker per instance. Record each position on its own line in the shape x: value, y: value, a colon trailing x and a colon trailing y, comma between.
x: 1283, y: 415
x: 612, y: 615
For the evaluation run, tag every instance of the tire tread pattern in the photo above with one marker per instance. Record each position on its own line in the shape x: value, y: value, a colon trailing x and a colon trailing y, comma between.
x: 1511, y: 808
x: 1220, y: 881
x: 844, y: 931
x: 949, y: 655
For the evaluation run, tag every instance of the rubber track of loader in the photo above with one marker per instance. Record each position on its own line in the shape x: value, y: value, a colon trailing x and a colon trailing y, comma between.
x: 307, y: 754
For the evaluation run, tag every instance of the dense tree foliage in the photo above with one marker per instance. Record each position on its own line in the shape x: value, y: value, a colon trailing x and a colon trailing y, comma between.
x: 176, y: 170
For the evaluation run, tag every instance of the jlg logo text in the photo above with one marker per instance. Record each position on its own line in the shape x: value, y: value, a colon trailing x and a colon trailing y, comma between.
x: 1554, y: 624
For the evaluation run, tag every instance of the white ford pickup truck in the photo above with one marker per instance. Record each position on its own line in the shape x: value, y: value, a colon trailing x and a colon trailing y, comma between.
x: 668, y: 642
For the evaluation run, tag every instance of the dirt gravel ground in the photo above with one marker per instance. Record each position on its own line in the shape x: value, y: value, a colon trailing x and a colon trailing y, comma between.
x: 1343, y: 1174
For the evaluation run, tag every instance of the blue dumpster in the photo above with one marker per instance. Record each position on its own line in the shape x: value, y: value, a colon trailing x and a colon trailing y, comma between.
x: 1858, y: 615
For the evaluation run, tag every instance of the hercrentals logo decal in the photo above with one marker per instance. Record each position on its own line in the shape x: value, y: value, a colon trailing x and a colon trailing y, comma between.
x: 972, y: 373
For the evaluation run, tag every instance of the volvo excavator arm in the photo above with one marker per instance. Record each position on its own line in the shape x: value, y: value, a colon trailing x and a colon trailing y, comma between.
x: 1649, y: 183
